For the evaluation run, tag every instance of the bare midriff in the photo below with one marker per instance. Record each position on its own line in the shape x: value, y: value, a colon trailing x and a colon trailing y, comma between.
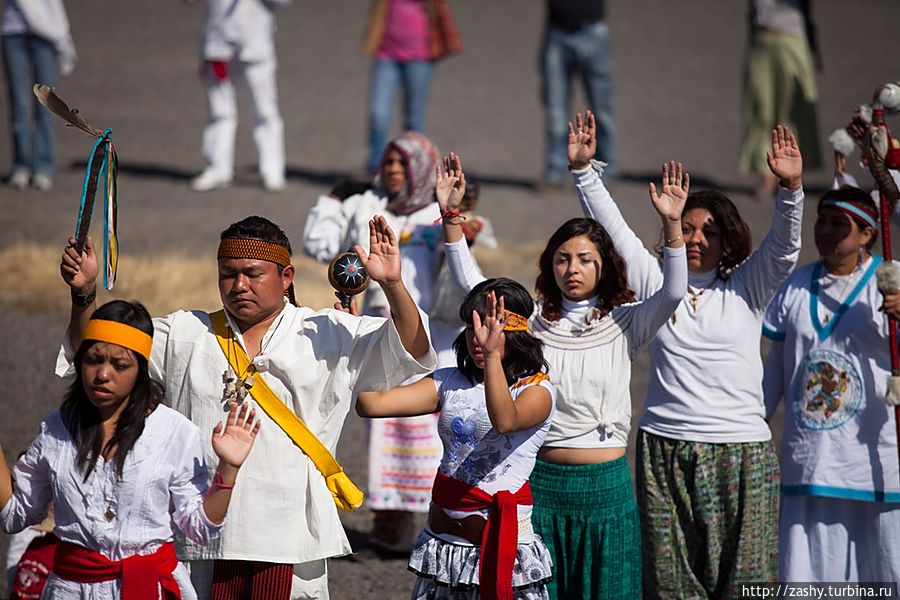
x: 580, y: 456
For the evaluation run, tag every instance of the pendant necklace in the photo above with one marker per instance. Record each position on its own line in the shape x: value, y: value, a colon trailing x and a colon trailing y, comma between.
x: 237, y: 388
x: 695, y: 297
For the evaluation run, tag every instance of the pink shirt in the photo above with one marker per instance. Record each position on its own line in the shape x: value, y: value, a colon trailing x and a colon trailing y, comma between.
x: 406, y: 32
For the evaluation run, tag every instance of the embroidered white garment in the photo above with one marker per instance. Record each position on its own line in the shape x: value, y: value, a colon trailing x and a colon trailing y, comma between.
x: 476, y: 454
x: 163, y: 483
x: 316, y: 362
x: 839, y: 435
x: 706, y: 369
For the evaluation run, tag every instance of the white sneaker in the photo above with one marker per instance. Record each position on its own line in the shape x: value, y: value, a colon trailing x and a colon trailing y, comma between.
x: 42, y: 182
x: 274, y: 184
x: 19, y: 179
x: 209, y: 180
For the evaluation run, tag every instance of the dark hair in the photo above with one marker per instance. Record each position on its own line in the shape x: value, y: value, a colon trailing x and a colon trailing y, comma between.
x: 524, y: 355
x: 82, y: 419
x: 470, y: 198
x: 612, y: 287
x: 260, y: 228
x: 737, y: 242
x: 855, y: 195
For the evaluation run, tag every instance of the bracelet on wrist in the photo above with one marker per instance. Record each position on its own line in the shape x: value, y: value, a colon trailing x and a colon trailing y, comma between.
x: 449, y: 215
x: 674, y: 239
x: 83, y: 299
x: 218, y: 482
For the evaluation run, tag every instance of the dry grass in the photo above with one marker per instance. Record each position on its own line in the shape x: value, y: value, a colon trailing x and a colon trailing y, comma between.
x: 169, y: 282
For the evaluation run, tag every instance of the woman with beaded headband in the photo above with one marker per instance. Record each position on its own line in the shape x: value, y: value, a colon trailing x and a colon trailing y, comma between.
x: 584, y: 506
x: 830, y: 361
x: 122, y: 470
x: 403, y: 453
x: 707, y: 472
x: 495, y: 408
x: 313, y: 363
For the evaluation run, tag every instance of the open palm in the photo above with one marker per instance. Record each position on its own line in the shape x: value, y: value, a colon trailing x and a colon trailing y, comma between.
x: 451, y: 183
x: 489, y: 332
x: 676, y: 184
x: 785, y: 160
x: 582, y: 140
x: 383, y: 259
x: 232, y: 442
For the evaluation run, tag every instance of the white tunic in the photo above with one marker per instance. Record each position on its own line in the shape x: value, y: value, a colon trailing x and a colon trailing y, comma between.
x: 831, y: 364
x: 706, y: 369
x: 316, y: 362
x: 163, y: 483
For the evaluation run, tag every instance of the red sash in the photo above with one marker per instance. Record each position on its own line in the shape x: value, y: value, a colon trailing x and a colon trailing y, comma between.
x: 142, y: 576
x: 501, y: 533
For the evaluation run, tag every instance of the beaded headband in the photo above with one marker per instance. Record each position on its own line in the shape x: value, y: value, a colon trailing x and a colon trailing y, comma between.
x: 120, y: 334
x: 853, y: 209
x: 516, y: 322
x: 254, y: 249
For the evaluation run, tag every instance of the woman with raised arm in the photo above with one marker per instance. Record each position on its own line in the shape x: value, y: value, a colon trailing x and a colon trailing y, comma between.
x: 707, y: 472
x: 584, y: 505
x: 123, y: 471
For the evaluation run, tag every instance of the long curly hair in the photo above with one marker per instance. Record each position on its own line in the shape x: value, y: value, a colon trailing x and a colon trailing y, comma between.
x: 82, y: 419
x: 524, y: 355
x: 612, y: 286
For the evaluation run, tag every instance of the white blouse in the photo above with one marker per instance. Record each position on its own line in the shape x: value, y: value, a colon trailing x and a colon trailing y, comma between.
x: 163, y: 483
x: 590, y: 356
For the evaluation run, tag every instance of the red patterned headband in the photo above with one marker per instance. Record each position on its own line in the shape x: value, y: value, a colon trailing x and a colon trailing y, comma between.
x: 516, y: 322
x: 254, y: 249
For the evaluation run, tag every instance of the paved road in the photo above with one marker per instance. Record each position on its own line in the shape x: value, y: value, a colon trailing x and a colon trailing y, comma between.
x: 677, y: 75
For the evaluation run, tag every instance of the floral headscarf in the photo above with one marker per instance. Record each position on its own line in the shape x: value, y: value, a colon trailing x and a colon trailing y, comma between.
x: 421, y: 157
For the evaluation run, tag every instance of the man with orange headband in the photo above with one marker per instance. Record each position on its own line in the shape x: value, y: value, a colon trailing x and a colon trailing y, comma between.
x: 283, y: 521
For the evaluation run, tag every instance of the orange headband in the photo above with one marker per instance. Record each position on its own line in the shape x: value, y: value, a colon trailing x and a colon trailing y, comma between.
x: 516, y: 322
x: 254, y: 249
x: 120, y: 334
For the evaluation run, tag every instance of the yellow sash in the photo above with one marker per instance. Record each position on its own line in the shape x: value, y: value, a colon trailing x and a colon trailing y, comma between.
x: 346, y: 495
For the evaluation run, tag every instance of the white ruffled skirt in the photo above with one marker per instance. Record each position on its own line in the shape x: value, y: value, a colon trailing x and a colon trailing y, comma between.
x: 449, y: 571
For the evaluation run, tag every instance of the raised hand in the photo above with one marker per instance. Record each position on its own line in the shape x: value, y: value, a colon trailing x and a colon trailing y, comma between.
x: 582, y: 140
x: 669, y: 202
x: 232, y: 441
x: 383, y: 259
x: 785, y: 160
x: 489, y: 333
x: 451, y: 183
x: 79, y: 271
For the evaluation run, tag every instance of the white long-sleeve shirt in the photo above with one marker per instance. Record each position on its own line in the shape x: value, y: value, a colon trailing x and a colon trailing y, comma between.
x: 163, y: 483
x: 706, y: 370
x: 590, y: 357
x: 316, y: 362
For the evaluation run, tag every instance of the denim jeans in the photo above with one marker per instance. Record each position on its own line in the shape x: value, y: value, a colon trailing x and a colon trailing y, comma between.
x: 387, y: 76
x: 30, y: 59
x: 586, y: 52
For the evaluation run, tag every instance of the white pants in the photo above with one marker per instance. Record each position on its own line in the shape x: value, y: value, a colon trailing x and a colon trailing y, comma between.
x: 310, y: 579
x: 268, y: 128
x: 830, y: 539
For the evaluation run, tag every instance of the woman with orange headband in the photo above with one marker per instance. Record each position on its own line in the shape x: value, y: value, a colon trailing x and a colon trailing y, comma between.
x: 121, y: 468
x: 495, y: 408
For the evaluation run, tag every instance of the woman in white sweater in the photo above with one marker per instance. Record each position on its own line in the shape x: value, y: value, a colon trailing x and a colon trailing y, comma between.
x: 707, y: 472
x: 584, y: 506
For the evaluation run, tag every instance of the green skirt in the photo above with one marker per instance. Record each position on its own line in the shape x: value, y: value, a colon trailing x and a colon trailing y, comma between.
x: 588, y: 517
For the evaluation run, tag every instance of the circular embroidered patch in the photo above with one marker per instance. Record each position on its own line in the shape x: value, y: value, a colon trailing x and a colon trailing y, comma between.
x: 828, y: 390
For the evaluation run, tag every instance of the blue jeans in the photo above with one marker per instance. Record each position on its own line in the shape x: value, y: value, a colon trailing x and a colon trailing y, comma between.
x: 30, y: 59
x: 587, y: 53
x: 387, y: 76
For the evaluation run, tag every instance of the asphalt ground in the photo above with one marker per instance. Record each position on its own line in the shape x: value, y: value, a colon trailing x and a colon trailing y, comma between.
x: 677, y: 73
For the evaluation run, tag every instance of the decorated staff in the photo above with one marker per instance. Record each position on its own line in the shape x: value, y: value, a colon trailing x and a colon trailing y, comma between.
x: 882, y: 152
x: 102, y: 169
